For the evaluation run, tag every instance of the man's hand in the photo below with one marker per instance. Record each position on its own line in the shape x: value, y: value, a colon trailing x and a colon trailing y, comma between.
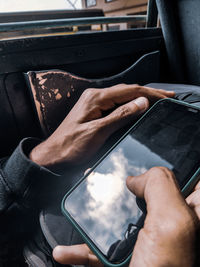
x: 85, y: 128
x: 168, y: 235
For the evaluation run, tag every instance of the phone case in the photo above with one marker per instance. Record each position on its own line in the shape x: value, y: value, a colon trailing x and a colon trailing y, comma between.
x: 185, y: 190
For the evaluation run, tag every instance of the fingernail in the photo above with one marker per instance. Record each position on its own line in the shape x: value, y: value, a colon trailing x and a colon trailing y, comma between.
x: 173, y: 92
x: 142, y: 103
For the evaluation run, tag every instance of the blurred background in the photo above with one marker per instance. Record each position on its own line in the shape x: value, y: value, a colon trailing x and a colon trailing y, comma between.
x: 107, y: 7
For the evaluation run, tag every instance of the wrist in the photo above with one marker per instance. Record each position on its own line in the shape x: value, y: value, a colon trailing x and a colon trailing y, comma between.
x: 42, y: 155
x: 51, y: 155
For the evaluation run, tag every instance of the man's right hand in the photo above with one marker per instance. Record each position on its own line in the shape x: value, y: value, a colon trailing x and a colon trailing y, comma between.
x: 85, y: 128
x: 169, y: 232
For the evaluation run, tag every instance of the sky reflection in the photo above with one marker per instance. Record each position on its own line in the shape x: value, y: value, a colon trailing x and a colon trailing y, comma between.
x: 102, y: 205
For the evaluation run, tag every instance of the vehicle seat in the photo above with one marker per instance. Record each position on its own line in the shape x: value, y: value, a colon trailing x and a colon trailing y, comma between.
x: 187, y: 93
x: 180, y: 25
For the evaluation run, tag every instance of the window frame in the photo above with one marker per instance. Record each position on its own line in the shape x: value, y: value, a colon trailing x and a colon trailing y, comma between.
x: 109, y: 1
x: 86, y: 4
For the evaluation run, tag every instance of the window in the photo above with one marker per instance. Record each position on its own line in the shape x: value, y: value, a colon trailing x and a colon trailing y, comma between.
x: 108, y: 1
x: 90, y: 3
x: 33, y: 5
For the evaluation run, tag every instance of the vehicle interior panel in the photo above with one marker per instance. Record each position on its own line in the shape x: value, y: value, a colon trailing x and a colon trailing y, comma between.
x: 98, y: 55
x: 90, y: 55
x: 180, y: 25
x: 165, y: 59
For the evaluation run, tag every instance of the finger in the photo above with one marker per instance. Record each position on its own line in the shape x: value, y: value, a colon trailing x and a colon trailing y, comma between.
x: 86, y: 171
x: 193, y: 201
x: 159, y: 188
x: 155, y: 94
x: 123, y: 93
x: 76, y: 255
x: 197, y: 186
x: 162, y: 91
x: 123, y: 114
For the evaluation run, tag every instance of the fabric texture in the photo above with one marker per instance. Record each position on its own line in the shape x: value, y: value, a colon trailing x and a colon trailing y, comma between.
x: 22, y: 194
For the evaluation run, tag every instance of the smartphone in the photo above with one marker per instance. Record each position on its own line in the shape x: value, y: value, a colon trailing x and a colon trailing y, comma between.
x: 100, y: 206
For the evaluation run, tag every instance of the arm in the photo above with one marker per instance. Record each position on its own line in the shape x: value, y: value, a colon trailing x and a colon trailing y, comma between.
x: 85, y: 129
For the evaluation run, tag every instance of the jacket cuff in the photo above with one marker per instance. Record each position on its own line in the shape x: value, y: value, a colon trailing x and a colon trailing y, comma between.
x: 23, y: 175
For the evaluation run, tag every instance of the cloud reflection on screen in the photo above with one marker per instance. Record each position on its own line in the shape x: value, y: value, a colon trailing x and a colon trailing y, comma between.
x: 109, y: 197
x: 102, y: 205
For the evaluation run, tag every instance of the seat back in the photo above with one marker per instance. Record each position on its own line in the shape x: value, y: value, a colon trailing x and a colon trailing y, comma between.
x: 180, y: 22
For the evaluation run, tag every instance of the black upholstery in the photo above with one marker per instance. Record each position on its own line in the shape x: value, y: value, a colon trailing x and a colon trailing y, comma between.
x: 180, y: 22
x: 90, y: 55
x: 96, y: 56
x: 16, y: 112
x: 187, y: 93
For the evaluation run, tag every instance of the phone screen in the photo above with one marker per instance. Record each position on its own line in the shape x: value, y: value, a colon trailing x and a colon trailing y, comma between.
x: 110, y: 215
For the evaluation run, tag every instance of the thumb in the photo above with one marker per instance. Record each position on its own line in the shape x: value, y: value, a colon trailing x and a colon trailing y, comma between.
x: 124, y: 114
x: 76, y: 255
x: 159, y: 189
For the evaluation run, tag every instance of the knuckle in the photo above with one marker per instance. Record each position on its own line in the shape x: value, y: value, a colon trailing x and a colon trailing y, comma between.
x: 102, y: 94
x: 102, y: 126
x: 137, y: 86
x: 120, y: 86
x: 125, y: 85
x: 141, y: 89
x: 161, y: 171
x: 96, y: 126
x: 124, y: 111
x: 129, y: 180
x: 90, y: 92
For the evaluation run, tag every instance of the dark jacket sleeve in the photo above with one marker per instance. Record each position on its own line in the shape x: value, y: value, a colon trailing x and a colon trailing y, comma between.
x: 21, y: 180
x: 22, y: 187
x: 22, y: 190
